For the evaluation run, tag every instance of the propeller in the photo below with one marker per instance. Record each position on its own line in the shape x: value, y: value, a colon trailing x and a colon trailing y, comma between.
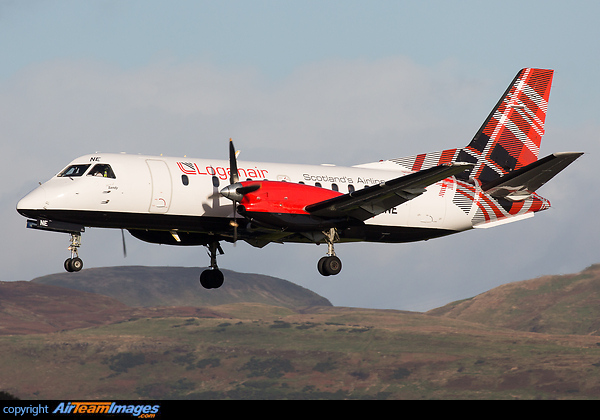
x: 235, y: 191
x: 234, y: 180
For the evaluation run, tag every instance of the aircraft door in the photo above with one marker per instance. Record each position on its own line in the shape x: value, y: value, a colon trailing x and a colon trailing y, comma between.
x: 161, y: 186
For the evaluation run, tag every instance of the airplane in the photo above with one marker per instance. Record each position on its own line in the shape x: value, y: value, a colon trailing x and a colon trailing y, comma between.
x: 203, y: 202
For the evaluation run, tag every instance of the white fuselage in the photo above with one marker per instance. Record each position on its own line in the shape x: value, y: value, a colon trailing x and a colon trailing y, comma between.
x: 185, y: 187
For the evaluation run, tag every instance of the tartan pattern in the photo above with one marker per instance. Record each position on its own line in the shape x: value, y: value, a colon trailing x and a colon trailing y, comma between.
x: 509, y: 139
x: 483, y: 208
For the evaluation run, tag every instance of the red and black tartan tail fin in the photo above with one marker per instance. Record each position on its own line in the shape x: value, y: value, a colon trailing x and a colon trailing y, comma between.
x: 510, y: 137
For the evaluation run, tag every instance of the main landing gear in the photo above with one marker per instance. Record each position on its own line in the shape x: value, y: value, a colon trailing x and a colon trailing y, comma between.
x: 74, y: 263
x: 213, y: 278
x: 330, y: 265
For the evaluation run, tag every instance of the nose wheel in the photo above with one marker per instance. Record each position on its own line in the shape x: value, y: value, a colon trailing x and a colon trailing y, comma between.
x: 74, y: 263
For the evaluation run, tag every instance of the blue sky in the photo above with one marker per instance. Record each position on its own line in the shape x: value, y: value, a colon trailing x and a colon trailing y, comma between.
x: 342, y: 82
x: 274, y: 38
x: 277, y: 36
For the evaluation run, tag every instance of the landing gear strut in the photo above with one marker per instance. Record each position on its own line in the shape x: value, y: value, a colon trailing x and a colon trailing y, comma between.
x: 74, y: 263
x: 330, y: 265
x: 213, y: 278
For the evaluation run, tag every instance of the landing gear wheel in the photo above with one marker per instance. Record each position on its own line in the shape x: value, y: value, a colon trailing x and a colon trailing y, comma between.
x: 320, y: 266
x: 73, y: 264
x: 77, y: 264
x: 212, y: 278
x: 329, y: 266
x: 68, y: 265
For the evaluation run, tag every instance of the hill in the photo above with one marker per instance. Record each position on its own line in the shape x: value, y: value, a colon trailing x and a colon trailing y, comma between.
x: 27, y: 308
x: 563, y: 304
x: 30, y: 308
x: 179, y: 286
x: 256, y: 351
x: 479, y: 348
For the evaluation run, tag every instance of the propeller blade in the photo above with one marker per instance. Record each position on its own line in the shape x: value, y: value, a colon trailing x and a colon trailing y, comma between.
x: 233, y: 177
x: 235, y: 223
x: 247, y: 189
x: 124, y: 246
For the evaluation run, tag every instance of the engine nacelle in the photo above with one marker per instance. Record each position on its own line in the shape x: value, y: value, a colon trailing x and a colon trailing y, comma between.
x: 282, y: 204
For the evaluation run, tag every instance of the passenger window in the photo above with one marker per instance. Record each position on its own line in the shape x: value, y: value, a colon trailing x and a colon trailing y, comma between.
x: 102, y: 170
x: 334, y: 187
x: 215, y: 181
x: 185, y: 180
x: 350, y: 188
x: 317, y: 184
x: 74, y: 170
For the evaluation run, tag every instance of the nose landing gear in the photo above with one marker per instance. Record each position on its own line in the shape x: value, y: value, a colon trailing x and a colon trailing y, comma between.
x: 71, y: 264
x: 74, y: 263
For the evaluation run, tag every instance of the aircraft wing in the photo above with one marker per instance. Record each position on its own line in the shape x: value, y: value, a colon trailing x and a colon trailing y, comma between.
x: 518, y: 185
x: 371, y: 201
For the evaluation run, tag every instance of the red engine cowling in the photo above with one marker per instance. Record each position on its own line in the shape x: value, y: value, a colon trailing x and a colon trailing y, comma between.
x: 282, y: 204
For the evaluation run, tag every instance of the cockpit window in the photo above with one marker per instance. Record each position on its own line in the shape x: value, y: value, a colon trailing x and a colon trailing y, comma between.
x: 102, y: 170
x: 74, y: 170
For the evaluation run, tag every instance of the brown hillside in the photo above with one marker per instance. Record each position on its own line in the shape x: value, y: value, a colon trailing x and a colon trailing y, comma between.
x: 567, y: 304
x: 102, y: 296
x: 262, y: 352
x: 139, y: 286
x: 30, y: 308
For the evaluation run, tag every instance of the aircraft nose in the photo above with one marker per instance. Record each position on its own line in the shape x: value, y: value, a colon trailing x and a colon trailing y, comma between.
x: 35, y: 200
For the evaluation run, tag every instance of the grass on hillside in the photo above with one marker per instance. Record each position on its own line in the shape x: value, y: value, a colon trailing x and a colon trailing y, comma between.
x: 262, y: 352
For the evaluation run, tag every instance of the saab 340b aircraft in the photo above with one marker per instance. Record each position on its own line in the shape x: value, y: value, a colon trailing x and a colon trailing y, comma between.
x: 186, y: 201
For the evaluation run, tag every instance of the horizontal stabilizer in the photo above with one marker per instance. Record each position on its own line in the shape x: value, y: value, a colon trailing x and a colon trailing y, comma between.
x: 368, y: 202
x: 520, y: 184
